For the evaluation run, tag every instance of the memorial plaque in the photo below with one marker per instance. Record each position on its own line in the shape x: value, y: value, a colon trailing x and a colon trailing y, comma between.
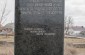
x: 39, y: 27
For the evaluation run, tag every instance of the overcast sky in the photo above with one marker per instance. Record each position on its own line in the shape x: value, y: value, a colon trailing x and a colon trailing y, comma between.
x: 73, y: 8
x: 9, y: 9
x: 76, y: 9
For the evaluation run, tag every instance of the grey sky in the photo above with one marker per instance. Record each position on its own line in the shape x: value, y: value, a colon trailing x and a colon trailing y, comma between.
x: 76, y: 9
x: 9, y: 8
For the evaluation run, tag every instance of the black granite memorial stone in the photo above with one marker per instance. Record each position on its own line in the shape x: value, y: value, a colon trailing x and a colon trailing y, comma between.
x: 39, y: 26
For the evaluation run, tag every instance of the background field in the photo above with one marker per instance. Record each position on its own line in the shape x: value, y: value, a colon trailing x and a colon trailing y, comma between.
x: 6, y: 45
x: 71, y: 50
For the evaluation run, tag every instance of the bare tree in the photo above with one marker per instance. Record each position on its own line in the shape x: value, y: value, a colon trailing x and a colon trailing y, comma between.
x: 68, y: 23
x: 4, y: 14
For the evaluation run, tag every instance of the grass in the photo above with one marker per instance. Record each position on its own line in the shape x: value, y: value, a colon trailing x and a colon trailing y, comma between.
x: 6, y: 49
x: 74, y: 40
x: 7, y: 39
x: 68, y: 50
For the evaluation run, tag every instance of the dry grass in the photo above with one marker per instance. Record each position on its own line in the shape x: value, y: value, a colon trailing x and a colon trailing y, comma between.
x: 8, y: 38
x: 68, y: 50
x: 6, y: 48
x: 74, y: 40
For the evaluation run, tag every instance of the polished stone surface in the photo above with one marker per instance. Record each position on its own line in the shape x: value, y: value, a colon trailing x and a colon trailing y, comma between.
x: 39, y: 27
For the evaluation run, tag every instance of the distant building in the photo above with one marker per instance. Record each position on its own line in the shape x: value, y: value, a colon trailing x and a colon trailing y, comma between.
x: 7, y: 29
x: 76, y: 30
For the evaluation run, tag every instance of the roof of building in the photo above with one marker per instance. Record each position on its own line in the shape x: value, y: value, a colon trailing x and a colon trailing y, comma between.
x: 9, y: 25
x: 78, y: 28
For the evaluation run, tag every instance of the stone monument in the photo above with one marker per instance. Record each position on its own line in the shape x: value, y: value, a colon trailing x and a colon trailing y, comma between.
x: 39, y: 27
